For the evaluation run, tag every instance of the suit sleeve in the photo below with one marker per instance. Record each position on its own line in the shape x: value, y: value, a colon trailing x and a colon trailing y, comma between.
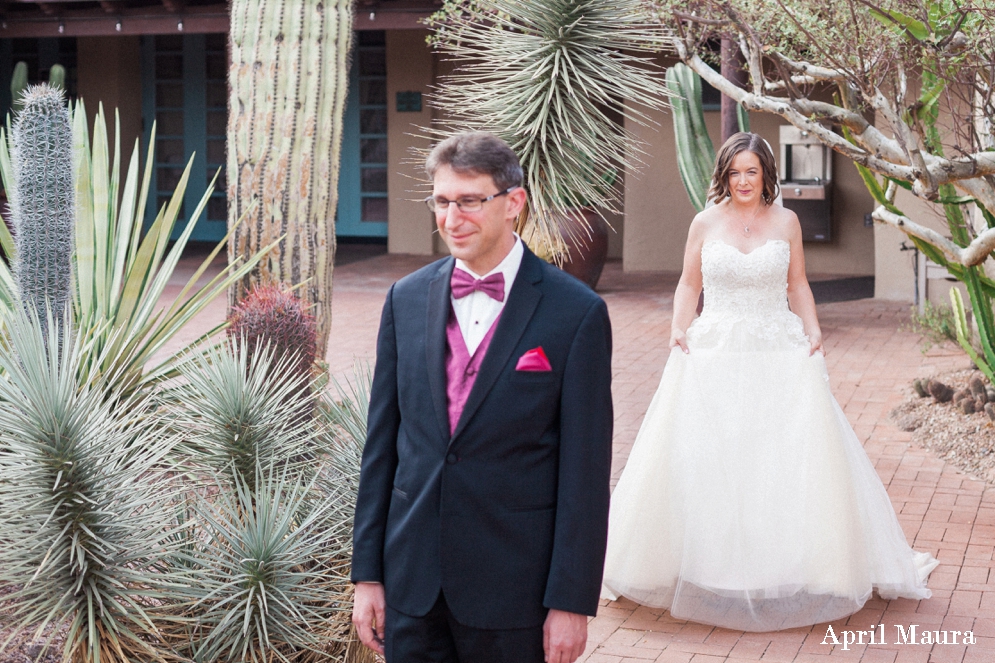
x: 583, y: 488
x: 379, y: 462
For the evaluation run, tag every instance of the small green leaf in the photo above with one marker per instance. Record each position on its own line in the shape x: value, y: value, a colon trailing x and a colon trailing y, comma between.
x: 901, y: 23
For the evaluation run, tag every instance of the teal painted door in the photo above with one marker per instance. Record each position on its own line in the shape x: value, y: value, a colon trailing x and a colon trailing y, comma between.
x: 185, y: 92
x: 363, y: 204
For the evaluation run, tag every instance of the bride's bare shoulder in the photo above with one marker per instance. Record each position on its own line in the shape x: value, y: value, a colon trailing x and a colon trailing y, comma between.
x: 785, y: 219
x: 704, y: 221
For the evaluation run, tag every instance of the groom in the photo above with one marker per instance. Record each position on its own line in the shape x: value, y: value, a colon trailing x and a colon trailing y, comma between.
x: 483, y: 498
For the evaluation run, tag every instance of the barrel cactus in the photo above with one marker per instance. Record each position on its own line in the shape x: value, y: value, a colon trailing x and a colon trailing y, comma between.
x: 43, y: 207
x: 271, y: 316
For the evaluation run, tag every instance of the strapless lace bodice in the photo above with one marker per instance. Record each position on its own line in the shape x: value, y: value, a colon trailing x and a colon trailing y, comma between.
x: 746, y: 298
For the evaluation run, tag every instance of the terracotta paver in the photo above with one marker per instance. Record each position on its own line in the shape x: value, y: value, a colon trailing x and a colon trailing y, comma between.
x: 871, y: 363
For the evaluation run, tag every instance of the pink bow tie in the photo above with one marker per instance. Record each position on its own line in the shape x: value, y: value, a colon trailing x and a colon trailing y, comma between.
x: 463, y: 284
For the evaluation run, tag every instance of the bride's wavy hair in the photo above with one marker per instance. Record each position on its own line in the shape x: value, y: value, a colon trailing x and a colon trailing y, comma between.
x: 744, y: 142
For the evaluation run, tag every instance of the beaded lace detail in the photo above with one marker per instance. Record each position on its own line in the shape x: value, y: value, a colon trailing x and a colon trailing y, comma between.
x: 746, y: 294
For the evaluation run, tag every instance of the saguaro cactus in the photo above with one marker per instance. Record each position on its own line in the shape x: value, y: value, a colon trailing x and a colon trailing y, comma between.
x: 43, y: 206
x: 288, y: 81
x: 695, y: 152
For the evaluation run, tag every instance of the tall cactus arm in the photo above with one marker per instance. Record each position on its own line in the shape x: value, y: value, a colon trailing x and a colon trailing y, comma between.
x: 57, y: 76
x: 18, y: 84
x: 288, y: 80
x: 964, y: 335
x: 742, y: 117
x: 695, y: 152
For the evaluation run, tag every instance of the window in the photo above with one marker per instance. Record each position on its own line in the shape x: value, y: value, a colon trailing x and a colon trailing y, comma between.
x: 186, y: 93
x: 372, y: 58
x: 362, y: 208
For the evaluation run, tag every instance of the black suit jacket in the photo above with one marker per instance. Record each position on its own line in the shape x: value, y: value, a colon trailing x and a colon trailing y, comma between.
x: 509, y: 515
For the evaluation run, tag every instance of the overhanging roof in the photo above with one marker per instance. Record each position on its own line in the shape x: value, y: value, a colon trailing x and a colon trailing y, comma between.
x: 79, y: 18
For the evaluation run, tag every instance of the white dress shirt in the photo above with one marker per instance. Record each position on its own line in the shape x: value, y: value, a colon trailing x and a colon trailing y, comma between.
x: 477, y: 311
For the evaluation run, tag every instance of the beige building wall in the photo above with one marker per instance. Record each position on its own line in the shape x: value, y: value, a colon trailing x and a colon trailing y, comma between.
x: 109, y: 72
x: 894, y: 277
x: 657, y: 209
x: 409, y: 69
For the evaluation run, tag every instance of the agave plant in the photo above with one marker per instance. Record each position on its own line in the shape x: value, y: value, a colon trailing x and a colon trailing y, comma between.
x: 119, y: 273
x: 547, y: 76
x: 87, y: 529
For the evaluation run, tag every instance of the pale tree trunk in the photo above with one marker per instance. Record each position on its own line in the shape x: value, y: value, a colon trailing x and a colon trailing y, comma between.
x: 288, y: 82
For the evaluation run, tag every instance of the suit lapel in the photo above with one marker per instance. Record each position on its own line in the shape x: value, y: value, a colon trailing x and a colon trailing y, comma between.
x: 435, y: 341
x: 522, y: 302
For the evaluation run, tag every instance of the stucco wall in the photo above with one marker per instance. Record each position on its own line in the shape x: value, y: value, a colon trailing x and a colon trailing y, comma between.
x: 894, y: 278
x: 109, y: 71
x: 657, y: 209
x: 409, y: 69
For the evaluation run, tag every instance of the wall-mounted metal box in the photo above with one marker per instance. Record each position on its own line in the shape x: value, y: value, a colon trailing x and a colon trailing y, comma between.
x: 806, y: 172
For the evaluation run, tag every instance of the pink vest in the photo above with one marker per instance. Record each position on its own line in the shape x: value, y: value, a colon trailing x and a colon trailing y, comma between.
x: 461, y: 368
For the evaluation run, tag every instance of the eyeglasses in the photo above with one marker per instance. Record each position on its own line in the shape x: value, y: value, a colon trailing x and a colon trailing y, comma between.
x: 465, y: 203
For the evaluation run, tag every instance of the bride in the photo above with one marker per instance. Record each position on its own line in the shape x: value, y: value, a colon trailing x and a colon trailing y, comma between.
x: 747, y: 501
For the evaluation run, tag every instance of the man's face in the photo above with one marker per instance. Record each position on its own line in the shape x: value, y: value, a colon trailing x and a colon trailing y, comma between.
x: 483, y: 238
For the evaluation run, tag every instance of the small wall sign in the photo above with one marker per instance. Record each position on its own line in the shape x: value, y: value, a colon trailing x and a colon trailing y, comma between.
x: 409, y: 102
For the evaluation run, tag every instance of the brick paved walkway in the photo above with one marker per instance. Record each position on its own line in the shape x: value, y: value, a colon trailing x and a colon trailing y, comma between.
x: 871, y: 364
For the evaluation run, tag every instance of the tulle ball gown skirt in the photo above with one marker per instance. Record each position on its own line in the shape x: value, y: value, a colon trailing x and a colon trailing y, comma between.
x: 748, y: 502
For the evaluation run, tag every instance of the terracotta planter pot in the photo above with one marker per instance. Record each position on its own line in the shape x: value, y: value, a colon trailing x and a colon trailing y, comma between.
x: 588, y: 249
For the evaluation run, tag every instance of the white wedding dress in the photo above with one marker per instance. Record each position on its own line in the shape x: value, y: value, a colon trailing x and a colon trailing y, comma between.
x: 747, y: 500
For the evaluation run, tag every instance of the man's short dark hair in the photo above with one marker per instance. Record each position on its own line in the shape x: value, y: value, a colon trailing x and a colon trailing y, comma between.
x: 477, y: 152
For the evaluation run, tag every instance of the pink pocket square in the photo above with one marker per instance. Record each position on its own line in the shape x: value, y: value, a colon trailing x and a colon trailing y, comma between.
x: 534, y: 360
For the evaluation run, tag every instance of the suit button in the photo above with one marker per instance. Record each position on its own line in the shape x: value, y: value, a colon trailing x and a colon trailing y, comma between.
x: 452, y: 458
x: 471, y: 371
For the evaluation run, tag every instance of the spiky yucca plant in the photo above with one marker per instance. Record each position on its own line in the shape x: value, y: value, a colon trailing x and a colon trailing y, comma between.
x: 345, y: 415
x: 546, y: 75
x: 236, y: 410
x: 270, y: 315
x: 272, y: 570
x: 88, y: 517
x: 44, y: 209
x: 271, y: 551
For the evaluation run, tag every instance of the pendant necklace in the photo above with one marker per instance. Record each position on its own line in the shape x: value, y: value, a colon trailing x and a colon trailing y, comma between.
x: 746, y: 228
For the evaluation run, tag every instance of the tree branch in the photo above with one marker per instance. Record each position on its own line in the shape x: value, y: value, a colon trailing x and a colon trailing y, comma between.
x: 774, y: 86
x: 878, y: 152
x: 808, y: 69
x: 974, y: 253
x: 786, y: 109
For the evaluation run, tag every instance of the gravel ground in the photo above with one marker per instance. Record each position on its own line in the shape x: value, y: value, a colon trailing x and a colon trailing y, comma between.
x: 965, y: 440
x: 25, y: 648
